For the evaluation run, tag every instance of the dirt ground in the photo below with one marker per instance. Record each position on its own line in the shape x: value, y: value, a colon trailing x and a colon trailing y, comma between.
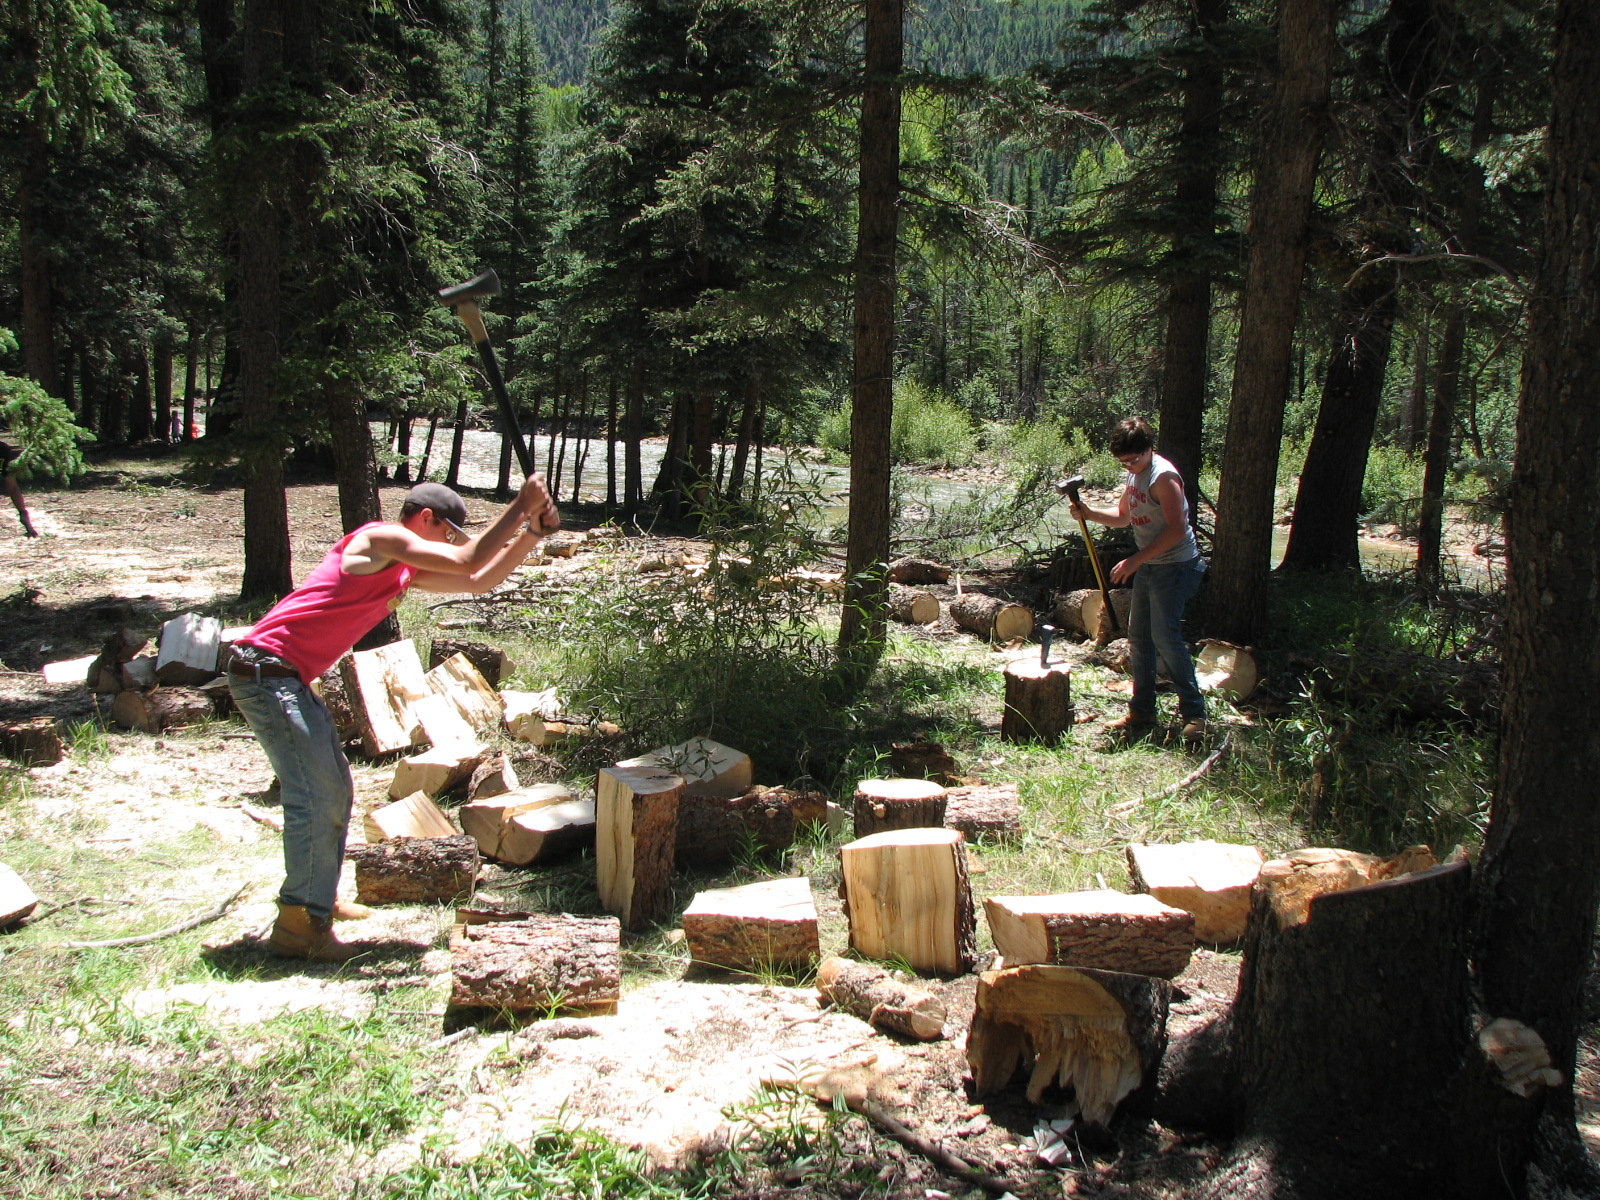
x: 131, y: 547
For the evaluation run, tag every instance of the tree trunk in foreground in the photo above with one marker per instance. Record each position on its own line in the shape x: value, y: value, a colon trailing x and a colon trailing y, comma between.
x: 1279, y: 214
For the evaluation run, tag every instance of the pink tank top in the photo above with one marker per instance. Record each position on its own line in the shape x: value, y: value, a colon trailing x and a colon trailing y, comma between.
x: 327, y: 614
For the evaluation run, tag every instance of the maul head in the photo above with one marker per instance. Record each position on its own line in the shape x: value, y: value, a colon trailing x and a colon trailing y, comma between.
x: 1069, y: 487
x: 474, y: 289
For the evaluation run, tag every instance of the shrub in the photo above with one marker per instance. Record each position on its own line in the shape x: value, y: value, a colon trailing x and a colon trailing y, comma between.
x: 928, y: 429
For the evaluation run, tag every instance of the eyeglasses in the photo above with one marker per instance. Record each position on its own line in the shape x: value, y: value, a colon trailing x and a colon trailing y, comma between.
x: 1128, y: 460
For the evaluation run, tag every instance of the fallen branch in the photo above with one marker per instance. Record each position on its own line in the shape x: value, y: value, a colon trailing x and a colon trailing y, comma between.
x: 1127, y: 806
x: 205, y: 918
x: 51, y: 910
x: 935, y: 1154
x: 261, y: 816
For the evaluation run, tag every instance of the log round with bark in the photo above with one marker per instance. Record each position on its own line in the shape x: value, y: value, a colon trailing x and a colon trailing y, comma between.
x: 542, y: 963
x: 878, y: 998
x: 918, y: 570
x: 1038, y: 704
x: 1084, y: 611
x: 713, y: 830
x: 912, y: 607
x: 884, y: 804
x: 991, y: 617
x: 161, y: 708
x: 416, y: 870
x: 907, y: 894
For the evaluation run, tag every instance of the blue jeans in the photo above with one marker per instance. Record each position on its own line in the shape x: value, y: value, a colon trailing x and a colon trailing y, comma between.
x: 1155, y: 627
x: 298, y: 735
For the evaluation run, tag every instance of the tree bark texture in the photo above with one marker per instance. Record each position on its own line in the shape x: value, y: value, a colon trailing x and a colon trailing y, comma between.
x: 413, y: 870
x: 868, y: 991
x: 1280, y: 212
x: 713, y: 830
x: 1038, y: 704
x: 885, y: 804
x: 541, y: 963
x: 863, y: 626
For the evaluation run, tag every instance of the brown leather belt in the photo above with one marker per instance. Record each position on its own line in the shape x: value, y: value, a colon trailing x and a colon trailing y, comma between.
x: 260, y: 666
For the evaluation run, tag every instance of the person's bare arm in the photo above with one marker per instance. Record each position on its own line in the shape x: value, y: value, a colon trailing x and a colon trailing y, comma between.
x: 1169, y: 494
x: 383, y: 544
x: 487, y: 577
x: 1116, y: 517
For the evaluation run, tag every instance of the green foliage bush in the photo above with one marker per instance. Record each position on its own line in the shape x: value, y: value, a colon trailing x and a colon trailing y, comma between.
x: 1392, y: 487
x: 928, y: 428
x: 41, y: 427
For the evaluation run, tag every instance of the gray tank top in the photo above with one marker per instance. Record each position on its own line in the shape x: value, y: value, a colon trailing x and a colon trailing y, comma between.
x: 1148, y: 519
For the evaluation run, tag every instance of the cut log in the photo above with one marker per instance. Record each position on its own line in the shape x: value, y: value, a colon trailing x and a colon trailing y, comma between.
x: 543, y: 964
x: 416, y: 816
x: 17, y: 900
x: 907, y: 896
x: 485, y: 819
x: 714, y: 830
x: 754, y: 927
x: 435, y: 771
x: 984, y: 810
x: 1038, y: 704
x: 70, y: 670
x: 1106, y: 930
x: 1228, y: 669
x: 495, y: 776
x: 527, y: 714
x: 439, y: 870
x: 1084, y: 611
x: 105, y: 674
x: 188, y: 654
x: 161, y: 709
x: 708, y: 768
x: 918, y: 570
x: 381, y: 685
x: 1100, y: 1033
x: 636, y: 829
x: 1210, y: 879
x: 491, y: 661
x: 541, y: 834
x: 220, y: 695
x: 34, y: 743
x: 991, y: 617
x: 868, y: 991
x: 912, y: 607
x: 458, y: 681
x: 885, y: 804
x: 139, y: 673
x: 443, y: 725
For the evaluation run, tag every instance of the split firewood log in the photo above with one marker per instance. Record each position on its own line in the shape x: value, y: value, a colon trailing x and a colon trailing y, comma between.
x: 713, y: 830
x: 991, y: 617
x: 543, y: 963
x: 1106, y: 930
x: 494, y: 776
x: 69, y: 670
x: 636, y: 830
x: 491, y: 661
x: 37, y: 742
x: 708, y: 768
x: 188, y: 653
x: 463, y: 685
x: 105, y: 672
x: 17, y: 900
x: 918, y: 570
x: 487, y: 819
x: 415, y: 816
x: 443, y: 725
x: 984, y: 809
x: 907, y: 895
x: 884, y: 804
x: 528, y: 715
x: 912, y: 607
x: 868, y: 991
x: 753, y: 927
x: 1100, y: 1033
x: 436, y: 770
x: 381, y: 685
x: 541, y: 834
x: 1084, y: 611
x: 1038, y: 703
x: 161, y: 708
x: 439, y: 870
x: 139, y: 672
x: 1210, y: 879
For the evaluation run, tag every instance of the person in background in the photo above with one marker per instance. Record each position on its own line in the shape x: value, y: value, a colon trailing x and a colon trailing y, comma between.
x: 1166, y: 570
x: 8, y: 455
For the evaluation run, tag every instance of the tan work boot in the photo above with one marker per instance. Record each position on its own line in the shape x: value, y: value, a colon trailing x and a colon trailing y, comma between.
x: 1131, y: 724
x: 1194, y: 731
x: 349, y: 910
x: 297, y: 934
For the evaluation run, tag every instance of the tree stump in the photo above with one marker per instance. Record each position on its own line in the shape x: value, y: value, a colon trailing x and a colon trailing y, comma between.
x: 754, y: 927
x: 912, y: 607
x: 415, y: 816
x: 441, y: 870
x: 714, y: 830
x: 161, y: 708
x: 491, y: 661
x: 984, y: 810
x: 636, y: 830
x: 1038, y: 706
x: 1100, y: 1033
x: 882, y: 1001
x: 1105, y: 930
x: 1210, y: 879
x: 991, y: 617
x: 885, y: 804
x: 541, y: 964
x: 906, y: 894
x: 34, y: 743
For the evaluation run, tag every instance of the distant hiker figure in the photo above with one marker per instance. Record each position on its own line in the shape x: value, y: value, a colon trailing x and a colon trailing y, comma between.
x: 8, y: 455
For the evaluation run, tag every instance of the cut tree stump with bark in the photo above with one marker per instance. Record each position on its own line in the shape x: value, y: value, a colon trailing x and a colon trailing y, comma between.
x: 1210, y: 879
x: 414, y: 816
x: 464, y: 686
x: 380, y: 685
x: 984, y: 810
x: 1038, y: 703
x: 907, y: 895
x: 991, y: 617
x: 1106, y: 930
x: 545, y: 963
x: 1084, y: 611
x: 754, y: 927
x: 918, y: 570
x: 714, y: 830
x: 869, y: 992
x: 161, y: 708
x: 491, y: 661
x: 435, y: 870
x: 1101, y: 1033
x: 488, y: 820
x: 188, y: 654
x: 885, y: 804
x: 708, y: 768
x: 37, y: 742
x: 912, y: 607
x: 1342, y: 983
x: 17, y: 900
x: 494, y: 777
x: 436, y: 770
x: 636, y: 831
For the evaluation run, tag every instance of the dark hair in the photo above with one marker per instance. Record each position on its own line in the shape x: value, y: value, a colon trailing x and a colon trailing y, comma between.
x: 1132, y: 436
x: 410, y: 509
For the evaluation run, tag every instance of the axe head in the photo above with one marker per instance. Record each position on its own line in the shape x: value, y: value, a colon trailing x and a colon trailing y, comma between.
x: 487, y: 284
x: 1070, y: 487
